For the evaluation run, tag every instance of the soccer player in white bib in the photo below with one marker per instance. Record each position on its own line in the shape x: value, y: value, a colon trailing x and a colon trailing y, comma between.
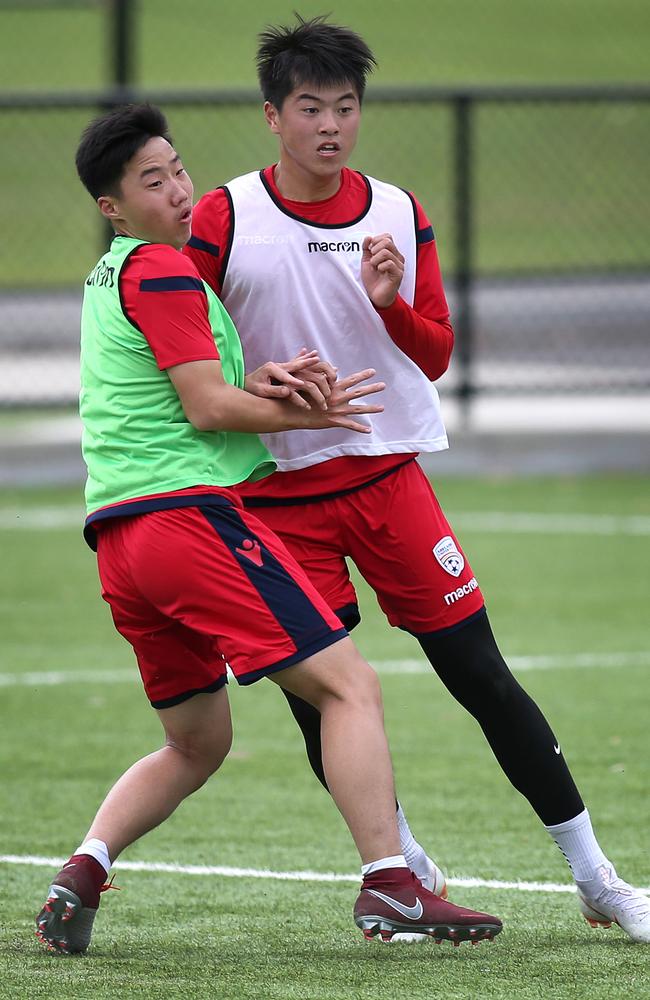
x: 309, y: 251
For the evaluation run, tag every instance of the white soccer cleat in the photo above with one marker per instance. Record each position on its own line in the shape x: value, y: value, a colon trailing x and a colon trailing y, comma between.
x: 611, y: 900
x: 435, y: 881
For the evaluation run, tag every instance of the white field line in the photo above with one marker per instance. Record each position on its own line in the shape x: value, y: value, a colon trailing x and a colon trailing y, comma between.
x: 265, y: 873
x: 41, y: 518
x: 126, y: 675
x: 550, y: 524
x: 45, y: 518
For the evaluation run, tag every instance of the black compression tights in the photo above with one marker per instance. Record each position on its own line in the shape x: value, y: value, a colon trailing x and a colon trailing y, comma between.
x: 471, y: 667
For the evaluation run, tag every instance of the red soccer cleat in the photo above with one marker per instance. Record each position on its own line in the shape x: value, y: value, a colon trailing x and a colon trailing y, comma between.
x: 394, y: 901
x: 65, y: 923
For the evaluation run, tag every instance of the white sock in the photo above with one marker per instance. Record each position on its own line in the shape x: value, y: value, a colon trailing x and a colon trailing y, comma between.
x: 577, y: 841
x: 395, y: 861
x: 98, y: 850
x: 414, y: 854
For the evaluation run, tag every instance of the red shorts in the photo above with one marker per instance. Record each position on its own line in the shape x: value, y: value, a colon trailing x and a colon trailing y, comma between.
x: 193, y: 588
x: 401, y: 542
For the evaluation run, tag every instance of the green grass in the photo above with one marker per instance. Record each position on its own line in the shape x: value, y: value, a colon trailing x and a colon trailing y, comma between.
x: 555, y: 187
x: 177, y: 935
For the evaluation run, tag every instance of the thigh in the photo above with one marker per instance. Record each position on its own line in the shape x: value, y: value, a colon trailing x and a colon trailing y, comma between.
x: 175, y: 661
x: 312, y: 534
x: 404, y: 547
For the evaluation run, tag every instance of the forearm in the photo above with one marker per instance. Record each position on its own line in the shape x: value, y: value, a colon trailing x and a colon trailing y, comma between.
x: 231, y: 409
x: 427, y: 342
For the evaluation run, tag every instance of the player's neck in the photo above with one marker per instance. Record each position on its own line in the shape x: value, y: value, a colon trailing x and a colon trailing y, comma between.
x: 296, y: 184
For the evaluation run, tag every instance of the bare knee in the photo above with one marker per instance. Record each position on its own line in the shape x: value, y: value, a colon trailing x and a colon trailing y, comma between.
x: 199, y: 732
x: 204, y: 752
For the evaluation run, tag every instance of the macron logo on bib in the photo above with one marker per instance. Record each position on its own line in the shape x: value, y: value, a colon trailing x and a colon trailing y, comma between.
x: 332, y: 246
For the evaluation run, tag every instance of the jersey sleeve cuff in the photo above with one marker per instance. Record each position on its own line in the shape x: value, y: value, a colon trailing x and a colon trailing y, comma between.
x: 396, y: 311
x: 163, y: 365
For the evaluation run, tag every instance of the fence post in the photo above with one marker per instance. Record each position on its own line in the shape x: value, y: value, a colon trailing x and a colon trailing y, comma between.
x: 463, y: 217
x: 122, y: 23
x: 121, y: 36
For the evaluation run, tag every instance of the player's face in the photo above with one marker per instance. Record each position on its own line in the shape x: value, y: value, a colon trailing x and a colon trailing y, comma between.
x: 155, y: 198
x: 317, y: 127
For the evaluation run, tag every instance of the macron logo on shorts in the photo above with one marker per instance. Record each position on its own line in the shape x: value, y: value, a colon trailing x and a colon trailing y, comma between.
x: 251, y: 550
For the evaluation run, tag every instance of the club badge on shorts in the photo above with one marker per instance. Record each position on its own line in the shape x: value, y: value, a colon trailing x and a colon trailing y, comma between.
x: 448, y: 556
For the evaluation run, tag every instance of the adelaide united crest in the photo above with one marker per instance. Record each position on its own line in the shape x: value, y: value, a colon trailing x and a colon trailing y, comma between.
x: 447, y: 554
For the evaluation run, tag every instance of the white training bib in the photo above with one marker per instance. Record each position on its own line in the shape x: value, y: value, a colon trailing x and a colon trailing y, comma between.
x: 289, y: 283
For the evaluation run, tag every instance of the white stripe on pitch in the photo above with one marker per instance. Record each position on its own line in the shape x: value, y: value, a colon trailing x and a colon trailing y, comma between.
x: 47, y: 678
x: 506, y: 522
x: 41, y: 518
x: 519, y: 664
x: 125, y: 675
x: 266, y: 873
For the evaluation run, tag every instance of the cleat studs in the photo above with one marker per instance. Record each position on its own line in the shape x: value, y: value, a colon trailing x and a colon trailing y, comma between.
x: 598, y: 923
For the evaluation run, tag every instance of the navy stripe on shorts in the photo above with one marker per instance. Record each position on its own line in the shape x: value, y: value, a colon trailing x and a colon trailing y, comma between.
x: 284, y: 597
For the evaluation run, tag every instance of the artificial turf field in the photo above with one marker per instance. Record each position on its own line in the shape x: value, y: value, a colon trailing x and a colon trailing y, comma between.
x: 568, y: 593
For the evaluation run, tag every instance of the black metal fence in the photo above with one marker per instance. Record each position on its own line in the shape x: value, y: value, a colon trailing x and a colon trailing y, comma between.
x: 538, y: 196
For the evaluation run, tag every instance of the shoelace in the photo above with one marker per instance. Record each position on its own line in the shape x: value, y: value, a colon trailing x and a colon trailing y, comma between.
x: 109, y: 885
x: 633, y: 902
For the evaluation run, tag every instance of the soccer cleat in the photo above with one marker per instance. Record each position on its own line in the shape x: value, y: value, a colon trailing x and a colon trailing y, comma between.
x: 394, y: 901
x: 611, y: 900
x: 436, y: 883
x: 65, y: 923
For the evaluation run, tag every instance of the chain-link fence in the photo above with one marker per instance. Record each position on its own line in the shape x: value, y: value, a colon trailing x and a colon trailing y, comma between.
x: 538, y: 198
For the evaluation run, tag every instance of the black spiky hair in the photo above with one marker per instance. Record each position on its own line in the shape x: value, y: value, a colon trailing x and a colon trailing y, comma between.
x: 311, y: 52
x: 111, y: 140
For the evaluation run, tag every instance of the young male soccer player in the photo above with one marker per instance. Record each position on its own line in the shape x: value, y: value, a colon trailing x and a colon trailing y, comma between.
x: 192, y: 579
x: 311, y: 245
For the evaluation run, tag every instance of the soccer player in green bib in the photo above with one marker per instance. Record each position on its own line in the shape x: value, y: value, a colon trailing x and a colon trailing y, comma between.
x: 195, y: 582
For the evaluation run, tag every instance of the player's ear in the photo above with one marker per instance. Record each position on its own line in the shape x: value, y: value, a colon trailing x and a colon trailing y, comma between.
x: 108, y: 207
x: 272, y: 116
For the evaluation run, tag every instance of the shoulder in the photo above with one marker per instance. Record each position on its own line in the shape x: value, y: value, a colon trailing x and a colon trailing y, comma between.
x: 212, y: 201
x: 218, y: 201
x: 421, y: 216
x: 159, y: 260
x: 251, y: 181
x: 384, y: 191
x: 211, y: 222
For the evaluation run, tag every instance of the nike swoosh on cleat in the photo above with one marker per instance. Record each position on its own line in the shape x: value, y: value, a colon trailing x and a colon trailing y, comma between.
x: 556, y: 747
x: 411, y: 912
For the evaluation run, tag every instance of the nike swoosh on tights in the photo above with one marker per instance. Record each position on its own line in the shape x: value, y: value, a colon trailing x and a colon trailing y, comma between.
x: 411, y: 912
